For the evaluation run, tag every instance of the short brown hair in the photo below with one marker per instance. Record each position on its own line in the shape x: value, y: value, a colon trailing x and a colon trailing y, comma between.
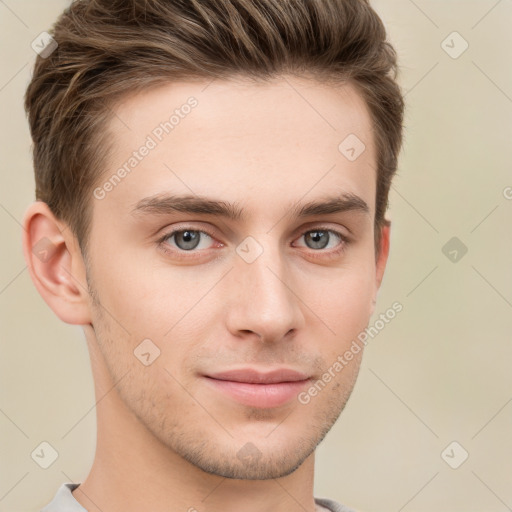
x: 107, y: 48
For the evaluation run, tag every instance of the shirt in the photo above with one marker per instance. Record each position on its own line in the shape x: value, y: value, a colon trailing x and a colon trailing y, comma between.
x: 64, y: 501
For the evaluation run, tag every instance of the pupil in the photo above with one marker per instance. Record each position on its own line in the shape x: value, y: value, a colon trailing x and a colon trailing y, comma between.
x: 187, y: 239
x: 316, y: 237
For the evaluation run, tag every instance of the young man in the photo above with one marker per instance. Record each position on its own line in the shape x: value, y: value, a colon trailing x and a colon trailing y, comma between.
x: 212, y: 180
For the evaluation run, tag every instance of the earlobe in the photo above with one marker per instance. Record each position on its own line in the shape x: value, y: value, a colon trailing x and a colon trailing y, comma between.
x: 55, y: 264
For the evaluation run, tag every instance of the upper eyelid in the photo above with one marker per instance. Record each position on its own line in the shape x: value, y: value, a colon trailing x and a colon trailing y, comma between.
x: 309, y: 226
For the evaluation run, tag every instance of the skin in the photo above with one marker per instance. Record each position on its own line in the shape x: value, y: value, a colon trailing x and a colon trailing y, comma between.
x: 167, y: 441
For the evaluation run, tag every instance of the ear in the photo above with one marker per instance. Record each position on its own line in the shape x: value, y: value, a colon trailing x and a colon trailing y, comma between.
x: 55, y: 264
x: 381, y: 259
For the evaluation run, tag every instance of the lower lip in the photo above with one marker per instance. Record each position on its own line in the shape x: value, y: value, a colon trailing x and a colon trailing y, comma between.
x: 260, y: 395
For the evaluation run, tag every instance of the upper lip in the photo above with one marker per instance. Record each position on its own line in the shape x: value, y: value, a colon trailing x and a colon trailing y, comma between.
x: 253, y: 376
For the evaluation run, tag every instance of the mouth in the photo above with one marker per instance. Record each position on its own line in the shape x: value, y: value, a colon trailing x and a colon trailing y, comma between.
x: 259, y: 389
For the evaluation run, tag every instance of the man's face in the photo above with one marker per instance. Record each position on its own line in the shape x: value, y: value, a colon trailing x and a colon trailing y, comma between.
x: 265, y: 290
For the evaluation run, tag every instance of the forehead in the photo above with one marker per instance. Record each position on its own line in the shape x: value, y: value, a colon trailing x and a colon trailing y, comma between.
x: 263, y: 144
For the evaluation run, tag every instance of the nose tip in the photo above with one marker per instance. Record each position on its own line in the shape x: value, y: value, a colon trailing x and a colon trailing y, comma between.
x: 263, y: 301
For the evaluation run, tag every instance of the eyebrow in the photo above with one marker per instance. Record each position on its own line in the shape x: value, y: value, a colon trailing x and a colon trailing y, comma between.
x: 163, y: 204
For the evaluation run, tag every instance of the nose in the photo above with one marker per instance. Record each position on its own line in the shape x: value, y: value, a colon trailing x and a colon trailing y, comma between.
x: 263, y: 301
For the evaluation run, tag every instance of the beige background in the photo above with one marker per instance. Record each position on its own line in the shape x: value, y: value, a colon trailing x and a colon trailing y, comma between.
x: 439, y: 372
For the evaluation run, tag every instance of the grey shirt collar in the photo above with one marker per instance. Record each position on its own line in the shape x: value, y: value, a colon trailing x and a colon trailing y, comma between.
x: 64, y: 501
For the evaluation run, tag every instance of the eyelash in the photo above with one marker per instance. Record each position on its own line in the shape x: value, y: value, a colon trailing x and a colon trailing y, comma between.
x: 320, y: 253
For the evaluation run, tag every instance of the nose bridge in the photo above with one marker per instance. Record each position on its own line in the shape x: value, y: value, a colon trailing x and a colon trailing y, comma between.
x: 265, y: 302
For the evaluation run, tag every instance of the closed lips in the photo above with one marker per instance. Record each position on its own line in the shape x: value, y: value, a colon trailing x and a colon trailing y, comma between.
x: 252, y: 376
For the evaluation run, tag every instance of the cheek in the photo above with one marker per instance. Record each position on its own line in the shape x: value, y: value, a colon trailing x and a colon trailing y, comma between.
x: 150, y: 304
x: 148, y: 299
x: 345, y: 301
x: 135, y: 296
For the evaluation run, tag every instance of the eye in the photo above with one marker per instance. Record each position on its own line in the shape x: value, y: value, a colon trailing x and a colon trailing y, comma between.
x: 317, y: 239
x: 186, y: 239
x: 323, y: 239
x: 178, y: 242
